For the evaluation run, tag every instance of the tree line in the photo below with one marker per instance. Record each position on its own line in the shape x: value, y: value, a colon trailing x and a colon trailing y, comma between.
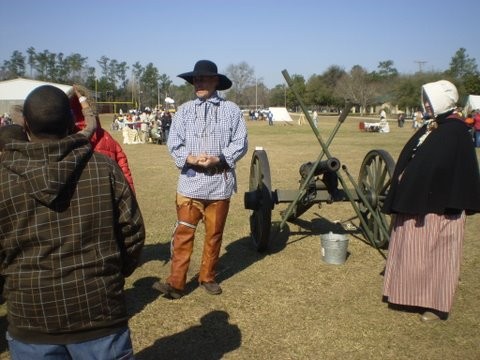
x: 140, y: 85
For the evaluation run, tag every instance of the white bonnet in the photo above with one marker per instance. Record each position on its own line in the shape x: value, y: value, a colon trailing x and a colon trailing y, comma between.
x: 442, y: 95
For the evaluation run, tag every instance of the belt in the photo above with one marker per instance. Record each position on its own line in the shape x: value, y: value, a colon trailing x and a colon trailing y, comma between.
x: 212, y: 170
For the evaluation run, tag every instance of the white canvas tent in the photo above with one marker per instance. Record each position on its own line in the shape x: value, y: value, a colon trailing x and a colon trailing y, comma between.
x: 14, y: 92
x: 472, y: 103
x: 280, y: 114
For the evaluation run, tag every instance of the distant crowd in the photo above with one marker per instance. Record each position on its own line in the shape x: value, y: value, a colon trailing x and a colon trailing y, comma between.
x: 140, y: 127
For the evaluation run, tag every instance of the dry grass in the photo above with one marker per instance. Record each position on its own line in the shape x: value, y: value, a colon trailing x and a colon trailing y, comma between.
x: 287, y: 303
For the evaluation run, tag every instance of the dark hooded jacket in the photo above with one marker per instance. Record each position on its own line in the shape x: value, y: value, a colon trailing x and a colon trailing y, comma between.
x: 70, y: 231
x: 440, y: 176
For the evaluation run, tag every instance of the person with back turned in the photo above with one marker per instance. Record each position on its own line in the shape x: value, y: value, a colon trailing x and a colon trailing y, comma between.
x: 71, y: 232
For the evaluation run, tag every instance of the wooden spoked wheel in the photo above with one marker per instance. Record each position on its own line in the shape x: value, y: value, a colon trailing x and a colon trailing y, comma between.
x: 374, y: 182
x: 261, y: 203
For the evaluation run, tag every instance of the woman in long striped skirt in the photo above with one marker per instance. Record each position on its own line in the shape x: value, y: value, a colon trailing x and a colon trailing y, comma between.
x: 424, y: 261
x: 435, y: 184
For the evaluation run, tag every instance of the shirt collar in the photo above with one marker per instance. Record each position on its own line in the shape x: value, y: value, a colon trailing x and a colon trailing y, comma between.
x: 214, y: 99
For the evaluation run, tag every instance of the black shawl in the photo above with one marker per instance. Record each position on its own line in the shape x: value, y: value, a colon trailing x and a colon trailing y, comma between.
x: 441, y: 176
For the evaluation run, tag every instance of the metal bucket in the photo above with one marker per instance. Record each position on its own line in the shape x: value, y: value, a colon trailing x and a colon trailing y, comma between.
x: 334, y: 248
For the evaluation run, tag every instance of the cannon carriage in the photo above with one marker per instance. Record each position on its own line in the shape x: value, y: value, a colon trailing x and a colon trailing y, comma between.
x: 321, y: 181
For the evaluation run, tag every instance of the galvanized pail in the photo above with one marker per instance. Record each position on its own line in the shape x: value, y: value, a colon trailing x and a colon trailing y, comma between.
x: 334, y: 248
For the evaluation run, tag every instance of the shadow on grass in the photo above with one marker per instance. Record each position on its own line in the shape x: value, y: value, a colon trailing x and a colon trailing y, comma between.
x: 321, y: 225
x: 158, y: 251
x: 140, y: 295
x: 242, y: 253
x: 316, y: 227
x: 210, y: 340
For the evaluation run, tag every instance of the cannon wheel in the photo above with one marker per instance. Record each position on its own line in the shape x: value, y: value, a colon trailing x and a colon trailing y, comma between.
x: 374, y: 181
x: 261, y: 217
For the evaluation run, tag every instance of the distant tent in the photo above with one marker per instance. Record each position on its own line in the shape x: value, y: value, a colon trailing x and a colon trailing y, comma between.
x: 472, y: 103
x: 14, y: 92
x: 280, y: 114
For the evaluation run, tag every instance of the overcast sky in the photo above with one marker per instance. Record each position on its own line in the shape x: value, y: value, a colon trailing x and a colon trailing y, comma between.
x: 303, y: 36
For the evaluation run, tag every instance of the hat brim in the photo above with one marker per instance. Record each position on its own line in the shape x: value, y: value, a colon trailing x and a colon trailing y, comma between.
x: 224, y: 83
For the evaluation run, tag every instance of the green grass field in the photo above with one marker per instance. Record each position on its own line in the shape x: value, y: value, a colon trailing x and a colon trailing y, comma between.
x: 286, y: 303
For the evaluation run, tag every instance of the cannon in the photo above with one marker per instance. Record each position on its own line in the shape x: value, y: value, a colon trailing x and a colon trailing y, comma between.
x: 321, y: 181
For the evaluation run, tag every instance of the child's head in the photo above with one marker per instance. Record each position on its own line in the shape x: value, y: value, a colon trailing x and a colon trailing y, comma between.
x: 47, y: 113
x: 10, y: 133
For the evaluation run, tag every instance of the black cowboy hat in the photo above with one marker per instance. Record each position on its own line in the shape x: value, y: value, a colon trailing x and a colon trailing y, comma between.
x: 207, y: 68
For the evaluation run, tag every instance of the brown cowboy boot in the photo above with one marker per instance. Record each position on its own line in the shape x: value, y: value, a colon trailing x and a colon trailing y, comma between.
x: 215, y: 217
x: 182, y: 244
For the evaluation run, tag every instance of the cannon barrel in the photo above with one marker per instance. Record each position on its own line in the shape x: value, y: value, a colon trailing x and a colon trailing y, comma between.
x: 330, y: 165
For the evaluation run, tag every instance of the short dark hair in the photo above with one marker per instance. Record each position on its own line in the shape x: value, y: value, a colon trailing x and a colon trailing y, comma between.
x: 10, y: 133
x: 47, y: 112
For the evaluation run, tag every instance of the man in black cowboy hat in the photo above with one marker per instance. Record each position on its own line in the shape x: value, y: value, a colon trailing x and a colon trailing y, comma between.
x: 207, y: 137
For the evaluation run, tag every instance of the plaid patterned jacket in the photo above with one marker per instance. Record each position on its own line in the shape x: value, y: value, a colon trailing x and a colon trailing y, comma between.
x: 70, y: 231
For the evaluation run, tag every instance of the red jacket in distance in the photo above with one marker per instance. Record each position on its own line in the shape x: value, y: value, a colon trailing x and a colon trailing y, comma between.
x: 476, y: 121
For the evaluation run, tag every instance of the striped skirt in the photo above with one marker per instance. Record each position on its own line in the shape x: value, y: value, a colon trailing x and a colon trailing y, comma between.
x: 423, y: 264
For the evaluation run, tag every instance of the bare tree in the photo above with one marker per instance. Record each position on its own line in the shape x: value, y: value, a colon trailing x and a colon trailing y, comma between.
x: 242, y: 76
x: 357, y: 87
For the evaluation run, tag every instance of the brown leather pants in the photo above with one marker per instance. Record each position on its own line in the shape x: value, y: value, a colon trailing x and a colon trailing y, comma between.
x: 189, y: 213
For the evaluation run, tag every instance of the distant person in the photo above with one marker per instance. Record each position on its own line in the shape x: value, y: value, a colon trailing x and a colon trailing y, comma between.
x: 436, y: 183
x: 414, y: 120
x: 417, y: 119
x: 401, y: 119
x: 166, y: 124
x: 315, y: 118
x: 476, y: 126
x: 207, y: 138
x: 70, y: 237
x: 270, y: 117
x: 384, y: 127
x: 469, y: 121
x: 6, y: 119
x: 383, y: 115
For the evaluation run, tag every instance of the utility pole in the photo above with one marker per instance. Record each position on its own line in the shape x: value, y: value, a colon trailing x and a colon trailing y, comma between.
x: 420, y: 64
x: 256, y: 93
